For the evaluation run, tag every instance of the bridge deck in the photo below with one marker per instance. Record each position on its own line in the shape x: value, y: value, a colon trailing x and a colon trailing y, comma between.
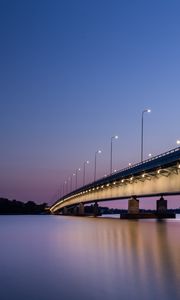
x: 161, y: 161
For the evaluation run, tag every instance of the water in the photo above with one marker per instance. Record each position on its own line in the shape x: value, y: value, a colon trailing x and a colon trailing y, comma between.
x: 59, y: 257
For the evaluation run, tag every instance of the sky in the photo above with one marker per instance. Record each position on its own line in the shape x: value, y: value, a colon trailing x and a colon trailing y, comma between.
x: 75, y: 73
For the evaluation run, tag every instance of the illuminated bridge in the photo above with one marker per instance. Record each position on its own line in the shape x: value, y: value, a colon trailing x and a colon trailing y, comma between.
x: 157, y: 176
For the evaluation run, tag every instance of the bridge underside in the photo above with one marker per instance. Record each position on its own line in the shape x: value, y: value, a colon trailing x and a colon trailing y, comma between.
x: 163, y: 182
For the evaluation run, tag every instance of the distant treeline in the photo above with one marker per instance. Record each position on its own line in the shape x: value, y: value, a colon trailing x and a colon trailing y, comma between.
x: 18, y: 207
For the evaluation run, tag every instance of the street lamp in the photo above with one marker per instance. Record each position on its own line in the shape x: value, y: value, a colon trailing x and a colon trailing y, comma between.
x: 178, y: 142
x: 76, y: 175
x: 112, y: 138
x: 72, y: 181
x: 64, y: 187
x: 142, y: 129
x: 59, y: 193
x: 69, y: 184
x: 97, y: 152
x: 62, y: 190
x: 84, y: 171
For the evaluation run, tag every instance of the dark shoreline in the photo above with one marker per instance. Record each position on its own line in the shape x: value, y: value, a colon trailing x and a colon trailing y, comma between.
x: 14, y: 207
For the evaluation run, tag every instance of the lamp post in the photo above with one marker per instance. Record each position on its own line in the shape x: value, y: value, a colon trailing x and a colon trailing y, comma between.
x: 71, y: 184
x: 112, y: 138
x: 84, y: 171
x: 77, y: 175
x: 64, y: 187
x: 62, y: 190
x: 142, y: 130
x: 59, y: 193
x: 97, y: 152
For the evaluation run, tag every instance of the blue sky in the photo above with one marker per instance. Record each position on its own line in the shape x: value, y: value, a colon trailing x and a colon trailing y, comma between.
x: 74, y: 73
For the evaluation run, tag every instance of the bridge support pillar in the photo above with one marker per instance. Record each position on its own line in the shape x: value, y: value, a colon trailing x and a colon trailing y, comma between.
x: 96, y: 209
x: 75, y: 210
x: 65, y: 211
x: 161, y: 205
x: 133, y: 206
x: 81, y: 209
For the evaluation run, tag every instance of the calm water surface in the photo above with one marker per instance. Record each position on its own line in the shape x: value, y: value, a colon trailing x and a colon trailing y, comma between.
x: 59, y: 257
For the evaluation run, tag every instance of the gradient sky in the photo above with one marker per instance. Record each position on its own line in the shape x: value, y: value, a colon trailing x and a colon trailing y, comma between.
x: 74, y: 73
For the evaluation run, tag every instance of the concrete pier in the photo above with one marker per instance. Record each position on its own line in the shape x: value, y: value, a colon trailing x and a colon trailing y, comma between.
x: 65, y: 211
x: 96, y: 209
x: 75, y: 211
x: 161, y: 205
x: 161, y: 210
x: 81, y: 209
x: 133, y: 206
x: 133, y: 210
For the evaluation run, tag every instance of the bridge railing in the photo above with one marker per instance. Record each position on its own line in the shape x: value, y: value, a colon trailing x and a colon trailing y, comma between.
x: 149, y: 159
x: 115, y: 175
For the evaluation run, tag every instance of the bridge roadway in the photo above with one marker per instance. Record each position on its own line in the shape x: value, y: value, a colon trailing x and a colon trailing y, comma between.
x: 159, y: 175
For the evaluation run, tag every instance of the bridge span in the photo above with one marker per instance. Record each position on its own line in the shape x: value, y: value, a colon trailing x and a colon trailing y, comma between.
x: 157, y: 176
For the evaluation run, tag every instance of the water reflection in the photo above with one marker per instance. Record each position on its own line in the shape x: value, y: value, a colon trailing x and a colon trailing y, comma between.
x: 86, y: 258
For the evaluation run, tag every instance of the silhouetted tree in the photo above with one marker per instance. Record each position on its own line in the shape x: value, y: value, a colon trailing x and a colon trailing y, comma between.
x: 18, y: 207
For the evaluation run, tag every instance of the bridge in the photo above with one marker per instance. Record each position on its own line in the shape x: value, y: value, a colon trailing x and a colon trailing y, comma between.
x: 156, y: 176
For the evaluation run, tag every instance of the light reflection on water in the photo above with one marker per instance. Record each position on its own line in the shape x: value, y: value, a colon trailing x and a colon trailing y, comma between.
x: 58, y: 257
